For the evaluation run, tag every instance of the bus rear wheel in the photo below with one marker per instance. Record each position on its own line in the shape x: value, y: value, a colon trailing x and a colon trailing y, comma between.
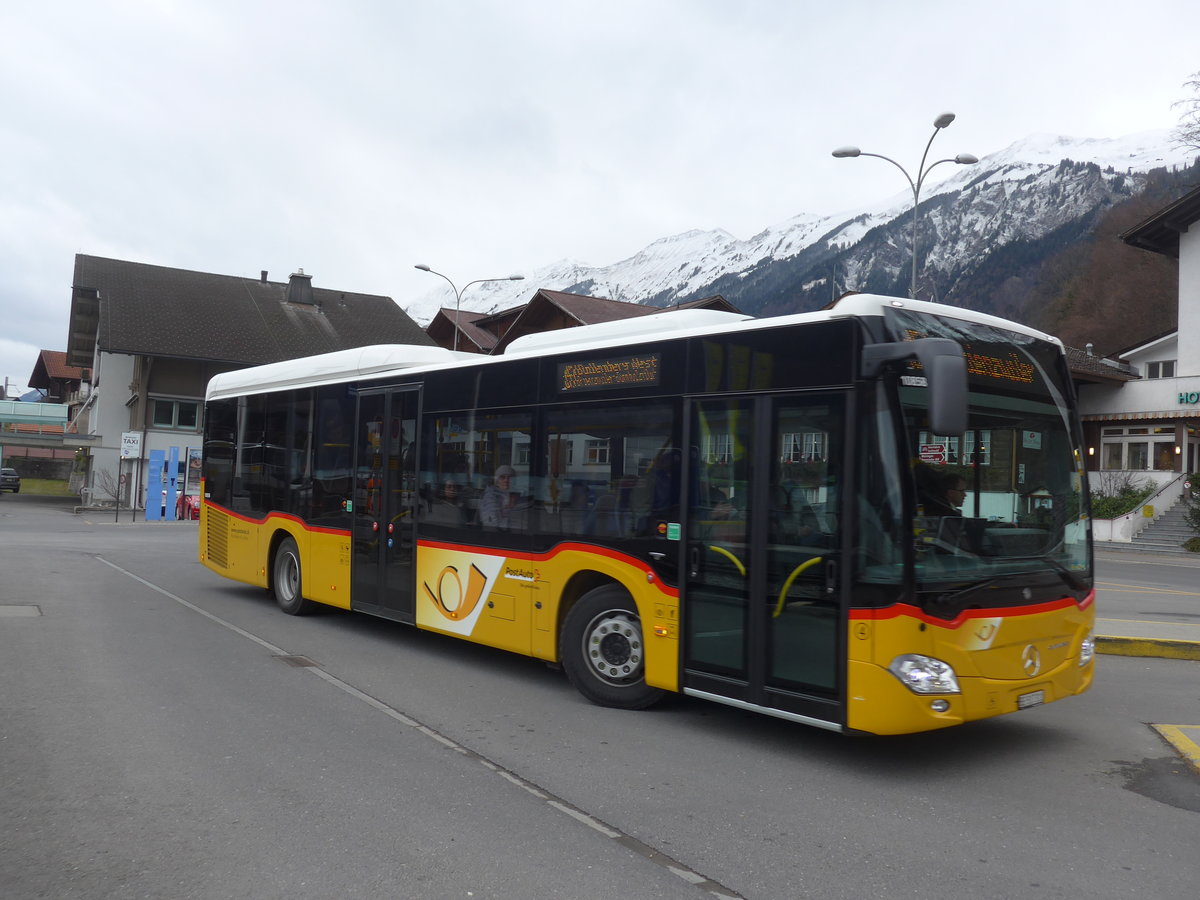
x: 286, y: 581
x: 603, y: 652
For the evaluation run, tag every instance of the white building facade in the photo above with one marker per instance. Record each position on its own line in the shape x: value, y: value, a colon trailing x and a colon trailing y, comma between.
x: 1149, y: 428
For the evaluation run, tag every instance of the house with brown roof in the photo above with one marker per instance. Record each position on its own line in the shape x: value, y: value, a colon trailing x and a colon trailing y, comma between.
x: 490, y: 333
x: 58, y: 381
x: 151, y: 337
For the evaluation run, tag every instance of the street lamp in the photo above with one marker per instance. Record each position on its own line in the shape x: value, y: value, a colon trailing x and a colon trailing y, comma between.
x: 458, y: 293
x: 963, y: 159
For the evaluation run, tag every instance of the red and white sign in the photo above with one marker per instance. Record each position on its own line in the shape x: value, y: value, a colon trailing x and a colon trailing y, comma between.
x: 933, y: 453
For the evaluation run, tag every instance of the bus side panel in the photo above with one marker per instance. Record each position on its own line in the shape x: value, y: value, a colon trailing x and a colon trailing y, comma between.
x: 325, y: 564
x: 229, y: 545
x: 240, y: 548
x: 514, y: 600
x: 1003, y: 659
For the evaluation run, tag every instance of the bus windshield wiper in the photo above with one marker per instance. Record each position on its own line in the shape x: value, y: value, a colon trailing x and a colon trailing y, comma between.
x: 1062, y: 571
x: 951, y: 600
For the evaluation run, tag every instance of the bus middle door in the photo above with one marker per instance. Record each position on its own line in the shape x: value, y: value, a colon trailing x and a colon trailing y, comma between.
x: 385, y: 499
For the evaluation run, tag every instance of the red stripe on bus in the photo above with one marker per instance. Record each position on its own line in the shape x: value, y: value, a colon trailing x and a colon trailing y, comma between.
x: 288, y: 517
x: 909, y: 611
x: 594, y: 549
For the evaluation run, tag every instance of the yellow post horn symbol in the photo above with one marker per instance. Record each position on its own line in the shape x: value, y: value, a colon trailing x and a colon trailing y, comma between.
x: 460, y: 605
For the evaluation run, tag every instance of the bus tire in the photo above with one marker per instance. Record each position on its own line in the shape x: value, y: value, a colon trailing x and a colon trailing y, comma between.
x: 286, y: 581
x: 603, y: 652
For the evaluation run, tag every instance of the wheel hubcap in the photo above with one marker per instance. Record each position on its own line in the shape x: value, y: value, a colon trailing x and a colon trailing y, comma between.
x: 612, y: 645
x: 289, y: 575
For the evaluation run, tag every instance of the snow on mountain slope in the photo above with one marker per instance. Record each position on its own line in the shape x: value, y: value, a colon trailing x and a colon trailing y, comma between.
x: 1017, y: 191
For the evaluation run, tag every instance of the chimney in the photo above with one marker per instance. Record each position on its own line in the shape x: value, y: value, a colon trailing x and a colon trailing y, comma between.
x: 1091, y: 349
x: 264, y: 276
x: 299, y: 289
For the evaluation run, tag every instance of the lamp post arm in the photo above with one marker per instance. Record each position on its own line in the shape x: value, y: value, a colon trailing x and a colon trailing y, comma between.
x: 932, y: 166
x: 457, y: 292
x: 922, y: 171
x: 903, y: 171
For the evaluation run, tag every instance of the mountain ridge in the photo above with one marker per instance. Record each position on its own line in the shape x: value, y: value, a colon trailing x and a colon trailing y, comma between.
x: 984, y: 231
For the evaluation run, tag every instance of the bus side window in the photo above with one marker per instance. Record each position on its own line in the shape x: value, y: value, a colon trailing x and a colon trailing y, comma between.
x: 332, y: 463
x: 615, y: 469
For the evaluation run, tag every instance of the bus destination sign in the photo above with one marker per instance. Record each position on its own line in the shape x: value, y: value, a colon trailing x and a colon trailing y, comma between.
x: 601, y: 374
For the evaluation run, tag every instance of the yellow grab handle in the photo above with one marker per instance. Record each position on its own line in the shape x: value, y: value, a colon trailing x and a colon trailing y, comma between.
x: 787, y: 585
x: 737, y: 562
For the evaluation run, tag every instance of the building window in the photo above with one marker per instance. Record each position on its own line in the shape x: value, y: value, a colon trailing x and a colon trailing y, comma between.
x: 181, y: 415
x: 804, y: 446
x: 1139, y: 448
x: 1162, y: 369
x: 596, y: 453
x: 717, y: 449
x: 973, y: 439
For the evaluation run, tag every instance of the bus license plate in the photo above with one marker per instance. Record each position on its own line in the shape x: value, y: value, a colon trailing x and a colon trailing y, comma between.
x: 1033, y: 698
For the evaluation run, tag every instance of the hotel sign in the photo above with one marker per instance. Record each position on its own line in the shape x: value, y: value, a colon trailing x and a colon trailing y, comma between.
x: 1189, y: 397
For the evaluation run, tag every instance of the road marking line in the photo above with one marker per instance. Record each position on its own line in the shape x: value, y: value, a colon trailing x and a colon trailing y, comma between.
x: 1186, y: 741
x: 1144, y: 589
x: 631, y: 843
x: 1152, y: 622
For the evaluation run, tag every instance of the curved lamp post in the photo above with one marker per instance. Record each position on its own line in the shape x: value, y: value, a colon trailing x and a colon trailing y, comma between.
x: 963, y: 159
x: 459, y: 292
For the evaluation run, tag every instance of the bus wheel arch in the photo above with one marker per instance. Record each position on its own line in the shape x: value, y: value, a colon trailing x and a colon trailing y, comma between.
x: 602, y: 647
x: 287, y: 576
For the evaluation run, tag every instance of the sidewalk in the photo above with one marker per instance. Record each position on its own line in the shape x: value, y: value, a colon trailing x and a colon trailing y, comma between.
x: 1147, y: 635
x: 1144, y: 637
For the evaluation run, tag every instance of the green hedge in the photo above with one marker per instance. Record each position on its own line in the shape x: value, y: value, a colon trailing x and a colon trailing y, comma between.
x: 1126, y: 500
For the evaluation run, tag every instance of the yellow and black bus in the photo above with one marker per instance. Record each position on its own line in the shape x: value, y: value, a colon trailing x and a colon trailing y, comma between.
x: 737, y: 509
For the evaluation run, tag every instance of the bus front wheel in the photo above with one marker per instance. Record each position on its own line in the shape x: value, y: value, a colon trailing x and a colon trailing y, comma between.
x: 603, y: 652
x: 286, y: 581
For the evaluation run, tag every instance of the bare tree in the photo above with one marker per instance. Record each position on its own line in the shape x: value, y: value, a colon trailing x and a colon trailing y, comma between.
x: 1187, y: 133
x: 108, y: 486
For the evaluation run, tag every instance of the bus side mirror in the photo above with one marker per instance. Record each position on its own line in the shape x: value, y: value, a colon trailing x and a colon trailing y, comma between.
x: 945, y: 370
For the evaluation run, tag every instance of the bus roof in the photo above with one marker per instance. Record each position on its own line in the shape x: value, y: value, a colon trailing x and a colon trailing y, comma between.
x: 378, y: 361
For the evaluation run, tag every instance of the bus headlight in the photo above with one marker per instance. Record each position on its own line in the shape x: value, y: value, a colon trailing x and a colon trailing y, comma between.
x: 1087, y: 649
x: 924, y: 674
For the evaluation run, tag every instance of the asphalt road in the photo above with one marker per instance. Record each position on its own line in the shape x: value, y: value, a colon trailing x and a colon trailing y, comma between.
x: 1140, y: 587
x: 163, y: 735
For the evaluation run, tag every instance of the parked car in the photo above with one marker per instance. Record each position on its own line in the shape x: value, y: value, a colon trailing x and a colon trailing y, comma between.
x: 187, y: 507
x: 10, y: 480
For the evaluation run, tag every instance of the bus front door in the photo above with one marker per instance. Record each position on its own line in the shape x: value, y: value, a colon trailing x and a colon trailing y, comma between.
x: 385, y: 498
x: 762, y: 616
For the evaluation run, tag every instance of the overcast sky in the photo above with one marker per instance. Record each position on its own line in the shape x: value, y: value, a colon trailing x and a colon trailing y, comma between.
x: 485, y: 137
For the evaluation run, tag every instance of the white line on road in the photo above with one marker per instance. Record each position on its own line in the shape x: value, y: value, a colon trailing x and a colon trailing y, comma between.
x: 557, y: 803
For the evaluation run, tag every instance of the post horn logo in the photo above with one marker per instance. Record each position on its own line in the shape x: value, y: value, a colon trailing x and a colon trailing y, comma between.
x: 450, y: 599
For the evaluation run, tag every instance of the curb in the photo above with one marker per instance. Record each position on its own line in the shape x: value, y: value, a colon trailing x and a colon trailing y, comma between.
x: 1185, y: 746
x: 1156, y: 647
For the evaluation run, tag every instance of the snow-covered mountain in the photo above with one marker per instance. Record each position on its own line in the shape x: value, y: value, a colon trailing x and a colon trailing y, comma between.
x: 1041, y: 186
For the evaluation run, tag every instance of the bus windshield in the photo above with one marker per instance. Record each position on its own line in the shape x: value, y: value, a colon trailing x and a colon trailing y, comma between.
x: 1001, y: 510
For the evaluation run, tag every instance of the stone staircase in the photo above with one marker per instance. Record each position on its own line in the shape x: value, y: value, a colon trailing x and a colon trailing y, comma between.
x: 1166, y: 533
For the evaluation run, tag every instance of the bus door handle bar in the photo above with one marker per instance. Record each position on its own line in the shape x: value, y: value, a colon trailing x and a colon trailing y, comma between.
x: 831, y: 570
